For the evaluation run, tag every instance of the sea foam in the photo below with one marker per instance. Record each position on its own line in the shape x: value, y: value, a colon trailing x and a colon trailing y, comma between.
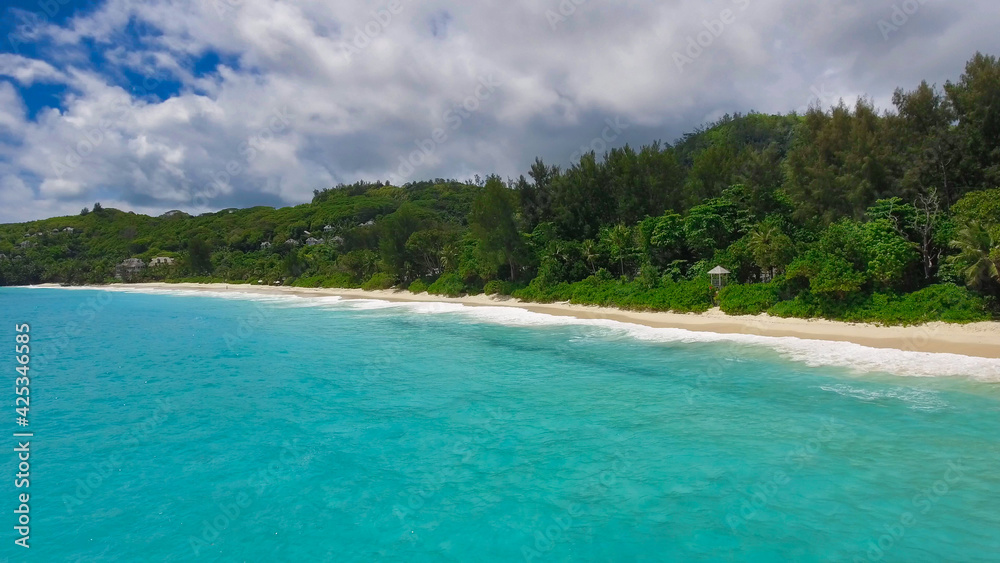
x: 813, y: 353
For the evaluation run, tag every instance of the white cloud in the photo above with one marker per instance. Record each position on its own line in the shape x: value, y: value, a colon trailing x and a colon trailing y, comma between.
x: 353, y: 117
x: 11, y: 110
x: 28, y: 71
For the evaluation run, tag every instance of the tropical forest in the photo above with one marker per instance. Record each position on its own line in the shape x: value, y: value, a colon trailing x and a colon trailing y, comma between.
x: 850, y: 212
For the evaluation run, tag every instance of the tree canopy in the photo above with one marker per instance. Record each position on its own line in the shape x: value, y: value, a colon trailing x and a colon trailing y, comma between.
x: 846, y: 212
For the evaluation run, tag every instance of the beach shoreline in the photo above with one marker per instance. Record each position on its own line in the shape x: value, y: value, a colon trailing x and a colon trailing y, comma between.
x: 976, y: 340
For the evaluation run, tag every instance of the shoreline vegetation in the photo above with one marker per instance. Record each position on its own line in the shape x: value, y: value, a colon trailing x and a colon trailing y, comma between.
x: 846, y: 214
x: 974, y: 339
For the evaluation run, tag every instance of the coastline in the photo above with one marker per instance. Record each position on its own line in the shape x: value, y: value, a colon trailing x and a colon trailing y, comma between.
x: 981, y: 340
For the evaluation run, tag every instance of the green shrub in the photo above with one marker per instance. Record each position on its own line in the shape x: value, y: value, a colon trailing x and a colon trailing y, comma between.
x: 802, y: 307
x: 952, y: 303
x: 688, y: 296
x: 198, y: 279
x: 450, y: 285
x: 312, y: 281
x: 417, y: 286
x: 493, y: 287
x: 380, y: 280
x: 694, y: 296
x: 751, y: 299
x: 497, y: 287
x: 942, y: 302
x: 340, y: 280
x: 539, y: 293
x: 809, y: 304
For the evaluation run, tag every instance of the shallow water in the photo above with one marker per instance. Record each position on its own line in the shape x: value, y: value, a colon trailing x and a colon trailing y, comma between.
x: 169, y: 426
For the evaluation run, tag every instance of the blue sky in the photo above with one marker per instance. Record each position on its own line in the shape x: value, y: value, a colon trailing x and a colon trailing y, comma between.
x: 205, y: 104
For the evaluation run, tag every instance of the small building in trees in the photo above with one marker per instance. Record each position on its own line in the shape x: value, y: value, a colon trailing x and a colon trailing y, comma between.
x: 161, y: 261
x: 129, y: 269
x: 720, y: 276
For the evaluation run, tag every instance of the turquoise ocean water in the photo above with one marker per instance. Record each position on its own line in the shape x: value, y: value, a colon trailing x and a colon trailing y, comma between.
x: 180, y: 427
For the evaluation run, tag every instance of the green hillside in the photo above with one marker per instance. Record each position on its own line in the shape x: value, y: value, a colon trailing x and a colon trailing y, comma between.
x: 847, y: 213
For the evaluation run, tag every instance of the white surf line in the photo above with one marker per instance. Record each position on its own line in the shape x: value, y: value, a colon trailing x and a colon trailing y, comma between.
x: 811, y: 352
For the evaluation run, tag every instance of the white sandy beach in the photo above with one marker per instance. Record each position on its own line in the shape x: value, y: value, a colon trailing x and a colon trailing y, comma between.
x: 977, y: 339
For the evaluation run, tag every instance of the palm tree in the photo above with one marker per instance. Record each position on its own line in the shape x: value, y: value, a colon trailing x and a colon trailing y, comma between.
x: 770, y: 247
x: 590, y: 253
x: 559, y: 251
x: 449, y: 257
x: 619, y: 241
x: 975, y: 245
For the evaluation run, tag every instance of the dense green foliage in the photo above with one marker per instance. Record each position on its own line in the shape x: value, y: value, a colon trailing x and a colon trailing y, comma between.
x: 943, y: 302
x: 749, y: 299
x: 380, y: 280
x: 846, y: 213
x: 417, y: 286
x: 448, y: 285
x: 603, y: 290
